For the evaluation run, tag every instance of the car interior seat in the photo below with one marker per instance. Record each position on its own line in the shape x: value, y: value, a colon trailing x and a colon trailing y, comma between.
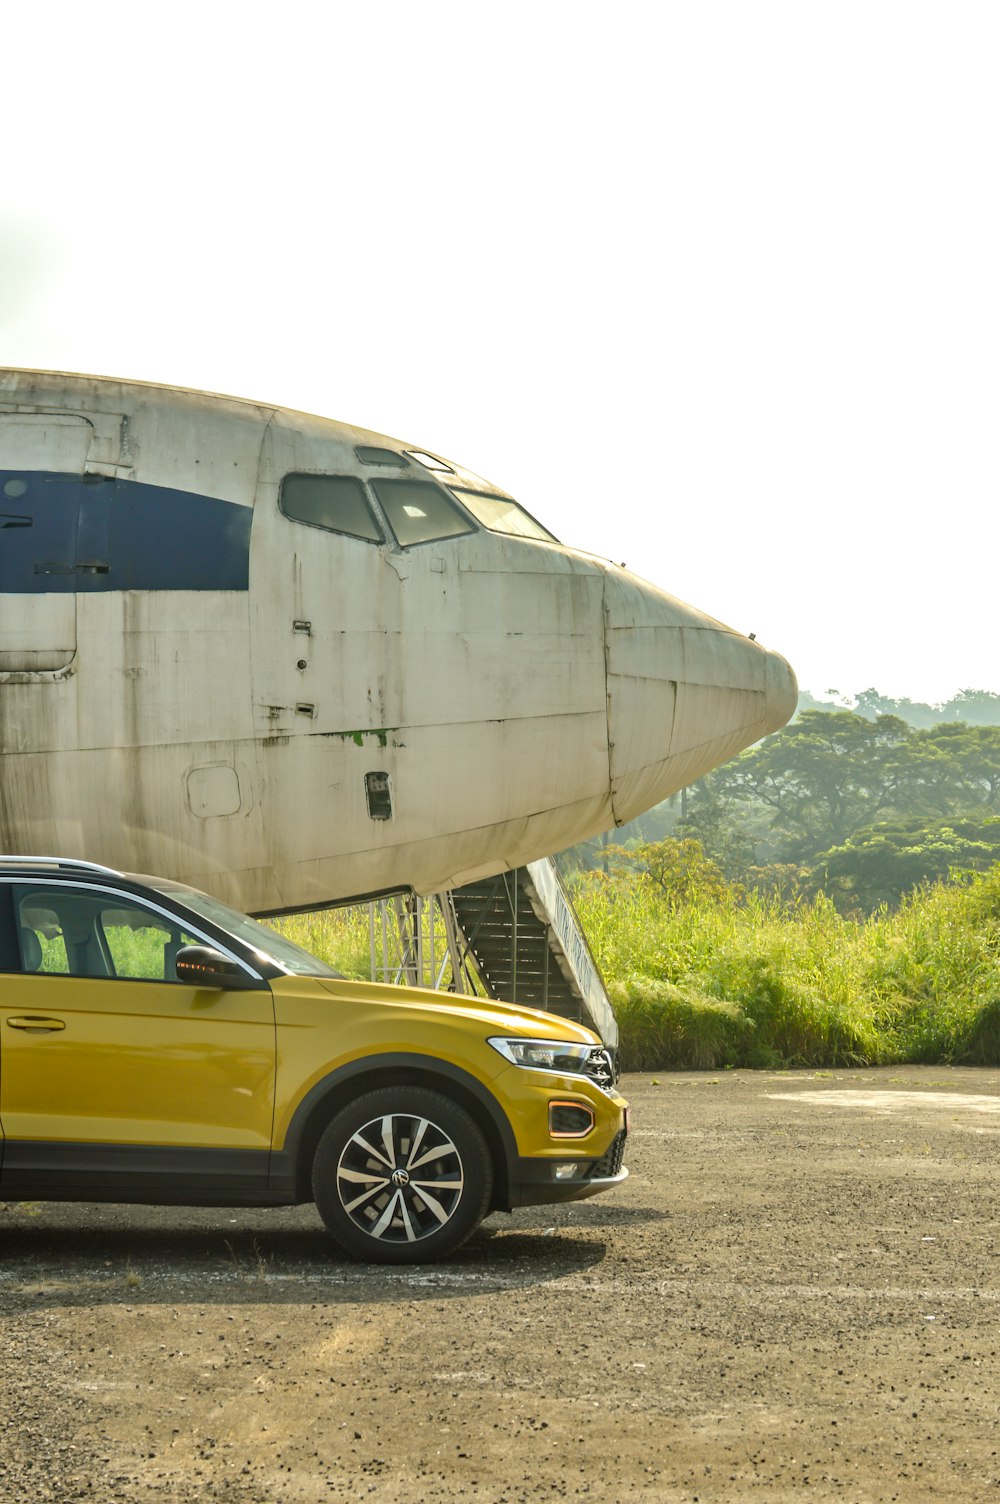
x: 31, y: 950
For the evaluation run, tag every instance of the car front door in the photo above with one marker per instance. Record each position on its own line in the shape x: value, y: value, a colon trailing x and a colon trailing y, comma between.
x: 114, y: 1076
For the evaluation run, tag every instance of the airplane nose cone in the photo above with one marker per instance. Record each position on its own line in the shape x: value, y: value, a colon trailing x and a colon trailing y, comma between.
x: 685, y: 693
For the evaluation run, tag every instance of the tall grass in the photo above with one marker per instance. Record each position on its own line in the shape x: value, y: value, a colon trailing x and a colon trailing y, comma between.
x: 742, y: 980
x: 338, y: 936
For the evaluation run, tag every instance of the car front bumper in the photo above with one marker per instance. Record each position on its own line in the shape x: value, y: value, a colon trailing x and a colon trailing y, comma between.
x: 541, y: 1182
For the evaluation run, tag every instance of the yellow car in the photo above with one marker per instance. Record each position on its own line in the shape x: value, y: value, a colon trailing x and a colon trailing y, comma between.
x: 157, y: 1046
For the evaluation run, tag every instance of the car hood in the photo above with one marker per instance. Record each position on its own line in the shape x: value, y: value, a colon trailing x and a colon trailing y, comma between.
x: 491, y: 1014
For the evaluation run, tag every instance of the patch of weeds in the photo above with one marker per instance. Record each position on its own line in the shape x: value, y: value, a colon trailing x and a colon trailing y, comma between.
x: 253, y: 1270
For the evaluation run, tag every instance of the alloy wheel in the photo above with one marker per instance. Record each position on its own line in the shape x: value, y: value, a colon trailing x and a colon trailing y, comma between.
x: 400, y: 1178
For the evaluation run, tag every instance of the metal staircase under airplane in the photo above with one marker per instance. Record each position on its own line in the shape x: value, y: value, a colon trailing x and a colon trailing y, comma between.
x: 517, y: 933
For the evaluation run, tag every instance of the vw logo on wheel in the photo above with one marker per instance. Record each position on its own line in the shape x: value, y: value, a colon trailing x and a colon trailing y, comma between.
x: 399, y: 1177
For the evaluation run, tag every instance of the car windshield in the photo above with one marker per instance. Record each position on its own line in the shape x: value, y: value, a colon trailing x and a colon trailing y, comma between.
x: 266, y: 942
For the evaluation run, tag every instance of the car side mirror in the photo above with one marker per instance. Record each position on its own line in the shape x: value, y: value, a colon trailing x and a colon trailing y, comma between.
x: 204, y: 966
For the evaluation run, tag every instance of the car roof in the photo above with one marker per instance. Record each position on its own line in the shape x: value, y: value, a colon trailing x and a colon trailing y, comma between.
x: 57, y: 863
x: 58, y: 866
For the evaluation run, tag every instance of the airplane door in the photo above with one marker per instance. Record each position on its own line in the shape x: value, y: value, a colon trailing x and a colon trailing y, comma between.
x: 42, y: 462
x: 53, y: 528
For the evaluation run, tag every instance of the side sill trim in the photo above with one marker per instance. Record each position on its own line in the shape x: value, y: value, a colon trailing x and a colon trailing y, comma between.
x: 180, y: 1176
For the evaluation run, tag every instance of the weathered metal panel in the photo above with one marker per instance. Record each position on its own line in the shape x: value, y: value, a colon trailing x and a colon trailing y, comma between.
x: 215, y: 692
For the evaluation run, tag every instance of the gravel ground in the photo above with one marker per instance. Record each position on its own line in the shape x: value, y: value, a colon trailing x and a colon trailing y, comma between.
x: 794, y: 1295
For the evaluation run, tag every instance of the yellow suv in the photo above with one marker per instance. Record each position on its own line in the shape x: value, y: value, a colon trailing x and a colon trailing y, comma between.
x: 157, y: 1046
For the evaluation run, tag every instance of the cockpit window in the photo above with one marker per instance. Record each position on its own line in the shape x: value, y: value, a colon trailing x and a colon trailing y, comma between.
x: 430, y: 461
x: 370, y: 456
x: 336, y: 502
x: 419, y: 511
x: 501, y: 515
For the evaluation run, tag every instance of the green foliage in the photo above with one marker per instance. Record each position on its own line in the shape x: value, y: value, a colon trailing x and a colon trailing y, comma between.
x: 880, y: 863
x: 338, y: 936
x: 983, y: 1034
x: 661, y: 1023
x: 976, y: 707
x: 710, y: 822
x: 874, y: 804
x: 819, y: 778
x: 744, y: 980
x: 771, y: 816
x: 54, y: 957
x: 678, y: 872
x: 343, y: 938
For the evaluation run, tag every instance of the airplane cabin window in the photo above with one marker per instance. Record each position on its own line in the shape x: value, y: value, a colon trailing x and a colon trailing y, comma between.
x: 335, y: 502
x: 419, y: 511
x: 501, y: 515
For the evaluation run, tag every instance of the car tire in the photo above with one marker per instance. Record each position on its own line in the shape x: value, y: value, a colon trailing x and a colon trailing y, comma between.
x: 402, y: 1175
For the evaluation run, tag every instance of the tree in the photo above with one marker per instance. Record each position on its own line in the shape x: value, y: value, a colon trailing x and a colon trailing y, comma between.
x: 973, y: 756
x: 880, y: 863
x: 722, y: 836
x: 871, y: 704
x: 814, y: 784
x: 678, y: 871
x: 819, y: 778
x: 977, y: 707
x: 973, y: 707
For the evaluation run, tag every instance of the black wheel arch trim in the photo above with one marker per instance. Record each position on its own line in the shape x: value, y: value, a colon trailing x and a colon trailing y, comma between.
x: 328, y: 1096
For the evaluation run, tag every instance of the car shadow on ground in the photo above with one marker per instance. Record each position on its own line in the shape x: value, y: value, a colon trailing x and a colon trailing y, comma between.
x: 54, y: 1257
x: 596, y: 1213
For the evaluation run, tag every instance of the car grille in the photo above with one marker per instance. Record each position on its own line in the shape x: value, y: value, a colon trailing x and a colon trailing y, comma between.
x: 600, y: 1068
x: 610, y: 1163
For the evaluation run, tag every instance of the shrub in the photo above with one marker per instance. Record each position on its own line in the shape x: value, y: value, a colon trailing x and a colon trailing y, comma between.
x: 811, y: 985
x: 662, y: 1025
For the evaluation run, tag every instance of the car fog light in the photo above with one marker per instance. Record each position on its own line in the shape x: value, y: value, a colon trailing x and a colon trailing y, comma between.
x: 565, y: 1172
x: 570, y: 1119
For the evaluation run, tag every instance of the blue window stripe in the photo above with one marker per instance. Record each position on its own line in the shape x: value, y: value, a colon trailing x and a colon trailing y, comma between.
x: 64, y: 533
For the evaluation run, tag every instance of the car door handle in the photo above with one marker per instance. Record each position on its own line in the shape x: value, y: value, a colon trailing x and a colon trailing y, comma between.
x: 35, y: 1023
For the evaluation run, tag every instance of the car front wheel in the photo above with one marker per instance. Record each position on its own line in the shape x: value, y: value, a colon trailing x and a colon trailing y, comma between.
x: 402, y: 1175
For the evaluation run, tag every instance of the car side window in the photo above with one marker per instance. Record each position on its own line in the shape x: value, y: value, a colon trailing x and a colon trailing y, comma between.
x: 142, y: 946
x: 85, y: 934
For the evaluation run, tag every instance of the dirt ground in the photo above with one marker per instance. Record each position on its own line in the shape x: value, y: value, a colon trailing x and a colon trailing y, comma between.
x: 794, y: 1295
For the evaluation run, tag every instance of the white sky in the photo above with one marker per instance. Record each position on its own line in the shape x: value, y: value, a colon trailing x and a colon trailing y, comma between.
x: 713, y: 288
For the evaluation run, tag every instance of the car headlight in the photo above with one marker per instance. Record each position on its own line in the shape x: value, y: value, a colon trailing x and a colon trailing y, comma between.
x: 560, y: 1055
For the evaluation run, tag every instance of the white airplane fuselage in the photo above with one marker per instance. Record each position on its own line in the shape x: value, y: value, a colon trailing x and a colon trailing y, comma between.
x: 200, y: 677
